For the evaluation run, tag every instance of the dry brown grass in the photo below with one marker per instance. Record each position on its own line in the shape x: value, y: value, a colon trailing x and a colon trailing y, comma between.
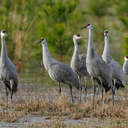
x: 109, y: 111
x: 58, y: 107
x: 7, y: 116
x: 61, y: 107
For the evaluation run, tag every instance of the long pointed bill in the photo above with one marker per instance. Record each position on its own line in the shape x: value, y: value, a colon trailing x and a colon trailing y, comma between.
x: 83, y: 27
x: 37, y: 42
x: 83, y: 38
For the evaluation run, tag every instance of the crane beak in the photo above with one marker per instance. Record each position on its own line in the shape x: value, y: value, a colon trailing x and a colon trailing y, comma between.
x: 37, y: 42
x: 83, y: 38
x: 83, y: 27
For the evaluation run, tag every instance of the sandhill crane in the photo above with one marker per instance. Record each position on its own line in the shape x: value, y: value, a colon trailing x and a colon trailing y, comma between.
x: 96, y: 67
x: 58, y: 71
x: 125, y: 65
x: 8, y: 73
x: 78, y: 62
x: 117, y: 72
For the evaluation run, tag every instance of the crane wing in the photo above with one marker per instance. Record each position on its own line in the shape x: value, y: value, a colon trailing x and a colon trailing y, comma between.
x: 117, y: 71
x: 12, y: 70
x: 104, y: 69
x: 60, y: 72
x: 82, y: 58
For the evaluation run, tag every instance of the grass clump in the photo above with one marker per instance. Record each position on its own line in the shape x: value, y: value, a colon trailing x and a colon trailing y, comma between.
x: 11, y: 117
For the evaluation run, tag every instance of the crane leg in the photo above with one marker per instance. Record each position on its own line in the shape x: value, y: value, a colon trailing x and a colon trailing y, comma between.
x: 93, y: 82
x: 102, y: 90
x: 94, y: 92
x: 102, y: 94
x: 98, y: 92
x: 80, y: 90
x: 113, y: 91
x: 71, y: 93
x: 11, y: 85
x: 59, y: 88
x: 85, y: 87
x: 6, y: 95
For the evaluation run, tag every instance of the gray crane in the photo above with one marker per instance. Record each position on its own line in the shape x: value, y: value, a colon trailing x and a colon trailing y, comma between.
x: 8, y: 73
x: 117, y: 72
x: 125, y: 65
x: 78, y: 62
x: 96, y: 67
x: 58, y: 71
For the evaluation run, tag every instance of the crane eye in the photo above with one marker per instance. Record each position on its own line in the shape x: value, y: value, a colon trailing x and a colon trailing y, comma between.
x: 78, y: 35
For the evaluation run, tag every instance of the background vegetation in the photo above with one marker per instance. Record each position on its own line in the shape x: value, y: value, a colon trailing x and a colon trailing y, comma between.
x: 27, y: 20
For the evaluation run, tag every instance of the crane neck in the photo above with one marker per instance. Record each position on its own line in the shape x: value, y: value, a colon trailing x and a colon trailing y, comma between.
x: 75, y: 46
x: 46, y: 54
x: 3, y: 50
x: 106, y: 51
x: 90, y: 50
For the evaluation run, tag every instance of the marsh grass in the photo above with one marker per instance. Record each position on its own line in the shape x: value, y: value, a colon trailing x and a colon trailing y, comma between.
x: 63, y: 108
x: 11, y: 117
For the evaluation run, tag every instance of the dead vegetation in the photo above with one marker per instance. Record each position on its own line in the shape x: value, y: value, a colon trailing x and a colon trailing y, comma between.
x: 11, y: 117
x: 60, y: 109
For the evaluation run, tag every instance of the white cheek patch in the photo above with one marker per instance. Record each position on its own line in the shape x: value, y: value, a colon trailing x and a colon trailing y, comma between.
x: 126, y: 58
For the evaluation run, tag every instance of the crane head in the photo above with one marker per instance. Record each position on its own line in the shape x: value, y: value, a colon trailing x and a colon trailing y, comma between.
x: 106, y: 33
x: 3, y: 33
x: 76, y: 36
x: 126, y: 57
x: 42, y: 40
x: 87, y: 26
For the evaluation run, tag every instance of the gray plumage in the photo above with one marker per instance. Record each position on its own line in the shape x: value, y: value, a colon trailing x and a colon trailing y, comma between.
x: 8, y: 73
x: 78, y: 62
x: 96, y: 67
x: 117, y: 72
x: 83, y: 68
x: 58, y: 71
x: 125, y: 65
